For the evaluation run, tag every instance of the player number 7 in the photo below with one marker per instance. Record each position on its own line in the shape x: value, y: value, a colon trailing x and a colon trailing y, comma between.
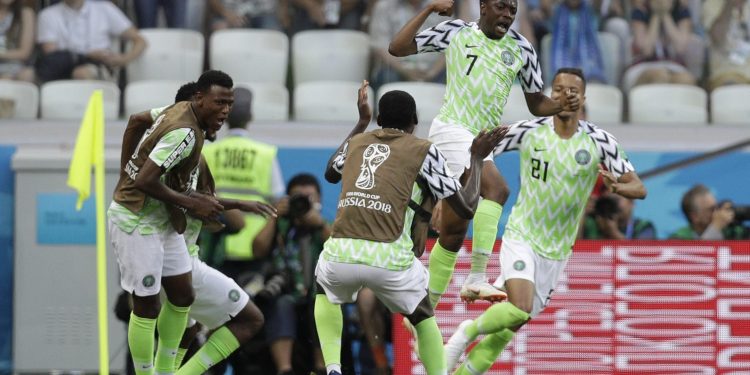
x: 473, y: 60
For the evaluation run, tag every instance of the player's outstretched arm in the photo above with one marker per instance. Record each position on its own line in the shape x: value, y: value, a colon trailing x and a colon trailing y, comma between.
x: 332, y: 175
x: 403, y: 44
x: 628, y: 185
x: 464, y: 202
x: 541, y: 105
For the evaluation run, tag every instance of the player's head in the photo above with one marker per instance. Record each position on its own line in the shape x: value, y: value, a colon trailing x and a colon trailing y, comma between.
x: 698, y: 205
x: 213, y: 98
x: 241, y: 112
x: 397, y: 109
x: 186, y: 92
x: 569, y: 80
x: 496, y: 16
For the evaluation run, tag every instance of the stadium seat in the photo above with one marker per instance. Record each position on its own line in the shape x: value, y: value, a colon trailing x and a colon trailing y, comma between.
x: 729, y: 105
x: 24, y: 94
x: 251, y: 55
x: 270, y: 101
x: 144, y: 95
x: 67, y: 99
x: 603, y: 104
x: 515, y: 108
x: 330, y: 55
x: 428, y: 96
x: 668, y: 104
x: 334, y: 101
x: 610, y: 48
x: 172, y: 54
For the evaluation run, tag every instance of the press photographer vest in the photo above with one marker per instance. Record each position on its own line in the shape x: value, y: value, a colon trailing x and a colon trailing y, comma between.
x: 178, y: 116
x: 377, y: 181
x: 242, y: 169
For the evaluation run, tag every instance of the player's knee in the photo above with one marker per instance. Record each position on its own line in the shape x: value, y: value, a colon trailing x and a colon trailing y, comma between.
x: 498, y: 193
x: 183, y: 299
x: 422, y: 312
x: 524, y: 306
x: 247, y: 323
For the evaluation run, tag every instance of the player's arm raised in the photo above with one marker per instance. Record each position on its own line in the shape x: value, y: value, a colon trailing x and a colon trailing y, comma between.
x: 332, y: 175
x: 137, y: 125
x: 403, y: 44
x: 541, y: 105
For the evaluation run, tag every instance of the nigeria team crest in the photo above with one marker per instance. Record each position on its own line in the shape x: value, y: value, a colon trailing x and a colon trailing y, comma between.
x: 583, y: 157
x: 507, y: 58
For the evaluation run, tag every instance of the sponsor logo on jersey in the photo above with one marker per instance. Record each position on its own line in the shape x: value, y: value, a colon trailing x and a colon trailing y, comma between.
x: 583, y: 157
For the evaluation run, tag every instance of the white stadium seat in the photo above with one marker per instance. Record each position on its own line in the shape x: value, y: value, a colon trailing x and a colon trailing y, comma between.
x: 67, y: 99
x: 729, y: 105
x: 270, y: 100
x: 25, y: 96
x: 603, y: 104
x: 330, y: 55
x: 251, y: 55
x: 171, y: 54
x: 428, y: 96
x: 668, y: 104
x: 332, y: 101
x: 516, y: 108
x: 144, y: 95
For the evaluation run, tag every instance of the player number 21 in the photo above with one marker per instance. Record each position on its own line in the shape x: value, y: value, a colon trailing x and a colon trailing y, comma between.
x: 536, y: 169
x: 473, y: 61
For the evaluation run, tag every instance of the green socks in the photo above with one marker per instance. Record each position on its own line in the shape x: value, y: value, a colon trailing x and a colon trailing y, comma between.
x: 431, y: 346
x: 441, y: 267
x: 482, y: 356
x: 218, y: 347
x: 497, y: 318
x: 330, y: 324
x: 171, y: 325
x: 485, y: 224
x: 141, y: 343
x: 179, y: 358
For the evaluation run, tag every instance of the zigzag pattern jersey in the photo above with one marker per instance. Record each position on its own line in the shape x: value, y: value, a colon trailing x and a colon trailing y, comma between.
x: 396, y: 255
x: 557, y: 176
x: 480, y: 71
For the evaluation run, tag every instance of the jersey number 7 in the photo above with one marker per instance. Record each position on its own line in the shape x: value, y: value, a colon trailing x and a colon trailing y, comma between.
x: 473, y: 61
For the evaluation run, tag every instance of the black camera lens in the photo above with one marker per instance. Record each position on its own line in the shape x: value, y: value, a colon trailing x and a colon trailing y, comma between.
x: 299, y: 205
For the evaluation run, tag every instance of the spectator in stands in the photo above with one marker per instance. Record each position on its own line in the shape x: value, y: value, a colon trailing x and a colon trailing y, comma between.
x: 708, y: 220
x: 17, y: 23
x: 612, y: 219
x: 388, y: 17
x: 469, y: 12
x: 728, y: 25
x: 329, y: 14
x: 76, y: 40
x: 575, y: 40
x: 260, y: 14
x: 664, y: 46
x: 611, y: 14
x: 294, y: 241
x: 174, y: 12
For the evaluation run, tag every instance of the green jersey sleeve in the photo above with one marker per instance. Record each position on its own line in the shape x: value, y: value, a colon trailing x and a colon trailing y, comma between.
x: 173, y: 148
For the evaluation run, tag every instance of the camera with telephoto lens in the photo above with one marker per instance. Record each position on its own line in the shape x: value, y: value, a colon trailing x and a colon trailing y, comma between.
x: 741, y: 212
x: 606, y: 207
x: 299, y: 205
x: 273, y: 287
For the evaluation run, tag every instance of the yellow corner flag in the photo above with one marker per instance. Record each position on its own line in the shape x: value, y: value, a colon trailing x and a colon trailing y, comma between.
x: 89, y: 152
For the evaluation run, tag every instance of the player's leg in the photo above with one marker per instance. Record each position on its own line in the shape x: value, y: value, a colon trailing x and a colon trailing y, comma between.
x: 336, y: 284
x: 483, y: 355
x: 173, y: 317
x: 140, y: 259
x: 222, y: 306
x: 495, y: 192
x: 191, y: 331
x: 371, y: 312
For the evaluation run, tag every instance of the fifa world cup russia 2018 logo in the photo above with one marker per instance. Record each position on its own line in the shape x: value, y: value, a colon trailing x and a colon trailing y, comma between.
x: 373, y: 157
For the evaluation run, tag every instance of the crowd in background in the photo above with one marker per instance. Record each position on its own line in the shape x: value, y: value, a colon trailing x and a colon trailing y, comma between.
x: 696, y: 42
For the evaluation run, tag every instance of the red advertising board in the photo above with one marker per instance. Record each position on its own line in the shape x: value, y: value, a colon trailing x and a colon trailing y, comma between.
x: 645, y: 307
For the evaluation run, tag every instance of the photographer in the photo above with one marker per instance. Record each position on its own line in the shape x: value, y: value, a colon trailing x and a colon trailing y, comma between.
x: 293, y: 241
x: 708, y: 220
x: 612, y: 219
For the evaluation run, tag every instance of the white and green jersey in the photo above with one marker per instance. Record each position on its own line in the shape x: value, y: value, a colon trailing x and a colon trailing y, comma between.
x: 396, y: 255
x: 480, y: 71
x: 153, y: 218
x: 557, y: 176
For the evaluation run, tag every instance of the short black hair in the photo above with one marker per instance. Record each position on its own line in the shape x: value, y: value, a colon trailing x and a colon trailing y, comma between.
x: 688, y: 200
x: 241, y: 112
x: 303, y: 179
x: 213, y: 77
x: 397, y: 109
x: 186, y: 92
x: 574, y: 71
